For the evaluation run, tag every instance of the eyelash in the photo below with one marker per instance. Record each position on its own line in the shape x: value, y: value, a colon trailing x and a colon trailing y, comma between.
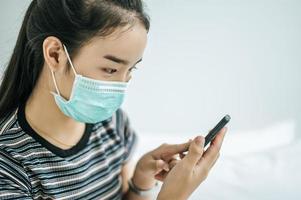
x: 109, y: 70
x: 112, y: 71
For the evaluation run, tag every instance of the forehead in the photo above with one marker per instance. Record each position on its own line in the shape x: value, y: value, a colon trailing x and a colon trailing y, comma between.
x: 126, y: 42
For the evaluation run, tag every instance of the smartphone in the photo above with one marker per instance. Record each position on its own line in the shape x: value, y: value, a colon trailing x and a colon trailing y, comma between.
x: 211, y: 135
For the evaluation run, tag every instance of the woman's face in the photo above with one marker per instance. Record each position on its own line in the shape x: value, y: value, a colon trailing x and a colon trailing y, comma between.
x: 112, y: 58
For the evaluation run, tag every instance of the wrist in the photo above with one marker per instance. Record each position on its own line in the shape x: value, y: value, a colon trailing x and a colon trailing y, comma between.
x: 142, y: 181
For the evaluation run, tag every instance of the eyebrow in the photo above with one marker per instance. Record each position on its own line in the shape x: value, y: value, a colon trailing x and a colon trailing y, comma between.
x: 119, y: 60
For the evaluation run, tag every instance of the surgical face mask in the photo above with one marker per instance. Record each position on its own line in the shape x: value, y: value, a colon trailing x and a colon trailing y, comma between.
x: 91, y: 101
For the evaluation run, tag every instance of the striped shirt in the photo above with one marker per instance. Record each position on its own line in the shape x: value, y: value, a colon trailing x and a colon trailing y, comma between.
x: 33, y: 168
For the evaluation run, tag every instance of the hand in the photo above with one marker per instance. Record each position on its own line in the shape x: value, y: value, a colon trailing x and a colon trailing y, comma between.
x: 193, y: 169
x: 155, y: 165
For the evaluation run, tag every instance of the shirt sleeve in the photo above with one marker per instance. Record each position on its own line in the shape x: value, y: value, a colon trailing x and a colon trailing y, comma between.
x: 130, y: 138
x: 12, y: 183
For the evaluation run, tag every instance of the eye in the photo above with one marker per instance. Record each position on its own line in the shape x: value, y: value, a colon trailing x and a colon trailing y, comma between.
x: 109, y: 70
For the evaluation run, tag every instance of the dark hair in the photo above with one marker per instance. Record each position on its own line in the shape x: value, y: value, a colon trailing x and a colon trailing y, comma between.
x: 74, y: 22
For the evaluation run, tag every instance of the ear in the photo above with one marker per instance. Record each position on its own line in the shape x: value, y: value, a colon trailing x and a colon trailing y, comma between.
x: 54, y: 54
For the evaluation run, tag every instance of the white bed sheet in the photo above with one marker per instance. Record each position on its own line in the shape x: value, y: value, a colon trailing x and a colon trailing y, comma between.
x: 273, y: 174
x: 248, y: 167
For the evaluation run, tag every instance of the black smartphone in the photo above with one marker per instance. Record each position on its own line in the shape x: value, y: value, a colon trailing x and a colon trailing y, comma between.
x: 211, y: 135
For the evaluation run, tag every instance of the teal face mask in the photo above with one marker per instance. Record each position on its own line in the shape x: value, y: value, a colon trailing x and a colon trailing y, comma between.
x: 91, y: 101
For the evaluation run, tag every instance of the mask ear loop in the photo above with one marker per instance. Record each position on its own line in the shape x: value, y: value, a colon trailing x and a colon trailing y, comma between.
x: 69, y: 59
x: 55, y: 85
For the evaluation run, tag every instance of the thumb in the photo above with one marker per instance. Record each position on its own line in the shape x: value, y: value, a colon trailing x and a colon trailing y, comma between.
x: 195, y: 151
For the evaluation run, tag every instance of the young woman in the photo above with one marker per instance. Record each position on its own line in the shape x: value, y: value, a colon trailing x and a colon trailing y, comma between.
x: 62, y: 132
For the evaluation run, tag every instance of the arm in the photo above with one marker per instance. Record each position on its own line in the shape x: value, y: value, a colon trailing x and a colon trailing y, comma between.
x: 129, y: 168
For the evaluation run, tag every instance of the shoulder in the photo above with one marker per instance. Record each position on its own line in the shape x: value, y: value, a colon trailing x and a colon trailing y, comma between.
x: 11, y: 168
x: 13, y: 139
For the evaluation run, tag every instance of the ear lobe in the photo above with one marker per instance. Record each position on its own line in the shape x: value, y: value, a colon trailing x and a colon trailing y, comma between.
x: 54, y: 55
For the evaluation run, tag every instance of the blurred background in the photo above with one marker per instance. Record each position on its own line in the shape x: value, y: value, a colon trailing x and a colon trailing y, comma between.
x: 208, y: 58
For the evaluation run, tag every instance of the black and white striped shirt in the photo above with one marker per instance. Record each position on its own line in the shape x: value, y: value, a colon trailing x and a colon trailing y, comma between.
x: 33, y: 168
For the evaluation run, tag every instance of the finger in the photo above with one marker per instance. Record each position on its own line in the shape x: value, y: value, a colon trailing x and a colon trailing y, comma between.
x: 169, y: 158
x: 161, y: 165
x: 211, y: 154
x: 215, y: 160
x: 220, y: 136
x: 216, y: 143
x: 167, y: 150
x: 195, y: 152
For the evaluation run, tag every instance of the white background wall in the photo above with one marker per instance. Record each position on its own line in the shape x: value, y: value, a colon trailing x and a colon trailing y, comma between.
x: 208, y: 58
x: 205, y: 59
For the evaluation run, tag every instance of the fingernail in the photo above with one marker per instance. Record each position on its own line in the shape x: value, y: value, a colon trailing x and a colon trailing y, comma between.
x: 198, y: 140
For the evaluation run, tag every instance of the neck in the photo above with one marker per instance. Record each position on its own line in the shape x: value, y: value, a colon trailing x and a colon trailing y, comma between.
x: 46, y: 118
